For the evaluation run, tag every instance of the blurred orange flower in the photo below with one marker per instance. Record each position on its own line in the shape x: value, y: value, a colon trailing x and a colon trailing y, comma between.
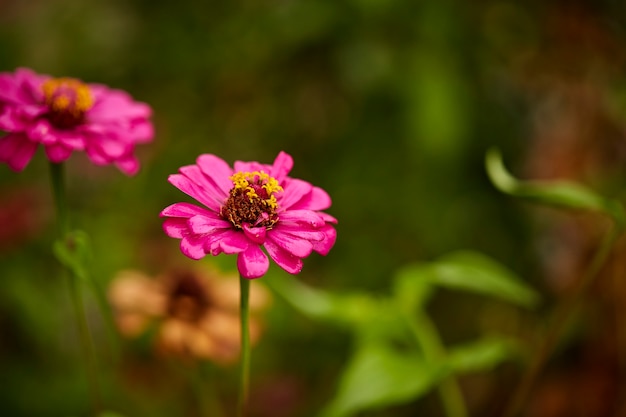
x: 195, y: 311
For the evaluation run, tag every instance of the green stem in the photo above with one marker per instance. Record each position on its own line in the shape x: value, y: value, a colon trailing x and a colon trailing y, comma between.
x: 86, y: 341
x: 564, y: 312
x: 244, y: 375
x: 428, y: 337
x: 57, y: 177
x: 105, y: 309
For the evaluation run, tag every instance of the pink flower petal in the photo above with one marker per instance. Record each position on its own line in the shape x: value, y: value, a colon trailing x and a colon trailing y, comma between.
x: 300, y: 248
x: 29, y: 85
x: 113, y: 105
x: 186, y: 210
x: 212, y: 241
x: 241, y: 166
x: 282, y: 166
x: 112, y: 147
x: 23, y: 155
x: 202, y: 223
x: 142, y: 131
x: 192, y: 247
x: 128, y: 164
x: 18, y: 119
x: 57, y: 153
x: 217, y: 171
x: 8, y: 88
x: 318, y: 199
x: 294, y: 191
x: 9, y: 145
x: 192, y: 189
x: 206, y: 186
x: 255, y: 234
x: 327, y: 217
x: 96, y: 156
x: 71, y: 139
x: 233, y: 242
x: 302, y: 216
x: 18, y: 88
x: 284, y: 259
x: 16, y: 150
x: 175, y: 227
x: 309, y: 233
x: 252, y: 263
x: 324, y: 246
x: 41, y: 131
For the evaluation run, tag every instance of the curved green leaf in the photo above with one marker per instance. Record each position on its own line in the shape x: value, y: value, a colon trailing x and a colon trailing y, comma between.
x: 480, y: 355
x: 566, y: 194
x: 348, y: 309
x: 475, y: 272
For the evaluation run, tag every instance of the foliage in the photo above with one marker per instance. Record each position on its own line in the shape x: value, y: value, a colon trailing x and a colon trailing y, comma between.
x: 387, y: 105
x: 396, y: 355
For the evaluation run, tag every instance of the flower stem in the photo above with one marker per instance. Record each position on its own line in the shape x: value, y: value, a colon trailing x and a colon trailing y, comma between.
x: 57, y: 177
x: 244, y: 373
x: 86, y: 341
x: 564, y: 312
x: 427, y: 336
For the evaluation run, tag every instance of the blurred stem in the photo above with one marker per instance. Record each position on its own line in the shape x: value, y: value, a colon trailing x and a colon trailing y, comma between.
x: 57, y: 177
x: 563, y: 313
x: 244, y: 375
x: 86, y: 341
x: 428, y: 337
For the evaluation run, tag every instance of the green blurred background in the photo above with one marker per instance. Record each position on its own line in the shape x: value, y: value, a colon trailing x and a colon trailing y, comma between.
x: 389, y: 105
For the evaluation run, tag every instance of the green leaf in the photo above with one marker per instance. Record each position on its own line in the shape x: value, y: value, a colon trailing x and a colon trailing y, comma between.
x: 412, y: 286
x: 378, y: 376
x: 475, y: 272
x: 481, y: 355
x: 74, y: 252
x: 350, y: 309
x: 368, y: 317
x: 566, y: 194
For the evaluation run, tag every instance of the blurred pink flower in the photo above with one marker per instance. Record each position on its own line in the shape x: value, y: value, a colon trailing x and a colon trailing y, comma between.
x: 247, y: 207
x: 66, y: 115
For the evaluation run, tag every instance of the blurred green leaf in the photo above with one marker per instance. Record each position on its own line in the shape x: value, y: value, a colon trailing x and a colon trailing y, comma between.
x: 412, y: 286
x: 480, y: 355
x: 368, y: 317
x: 378, y: 376
x: 565, y: 194
x: 351, y: 309
x: 475, y: 272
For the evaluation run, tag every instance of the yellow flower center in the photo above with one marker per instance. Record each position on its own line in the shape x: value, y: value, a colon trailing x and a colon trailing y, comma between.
x: 252, y: 200
x: 68, y: 100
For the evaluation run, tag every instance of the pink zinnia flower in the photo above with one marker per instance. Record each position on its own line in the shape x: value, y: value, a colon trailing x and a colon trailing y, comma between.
x: 66, y: 115
x: 247, y: 207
